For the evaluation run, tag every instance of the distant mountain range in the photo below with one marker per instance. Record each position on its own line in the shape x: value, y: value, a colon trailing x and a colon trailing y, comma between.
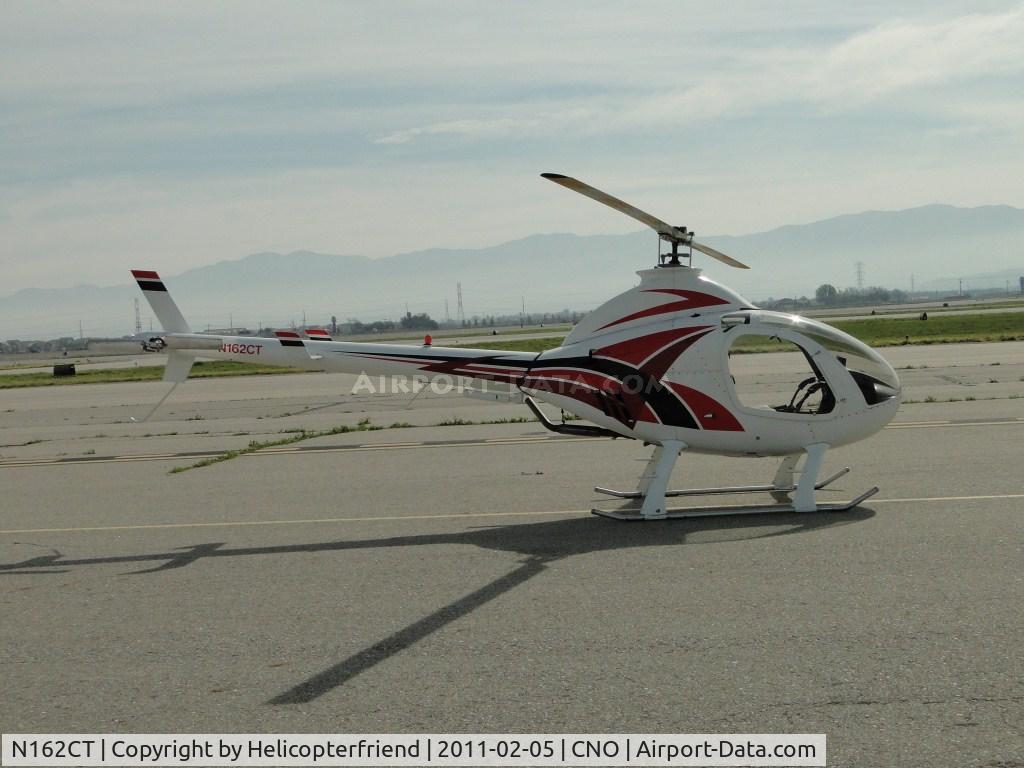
x: 937, y: 244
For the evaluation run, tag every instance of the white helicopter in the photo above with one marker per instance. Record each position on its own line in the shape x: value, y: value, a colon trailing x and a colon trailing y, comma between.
x: 650, y: 364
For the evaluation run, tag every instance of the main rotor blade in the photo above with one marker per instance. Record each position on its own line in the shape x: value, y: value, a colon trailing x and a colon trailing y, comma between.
x: 665, y: 230
x: 709, y: 251
x: 659, y: 226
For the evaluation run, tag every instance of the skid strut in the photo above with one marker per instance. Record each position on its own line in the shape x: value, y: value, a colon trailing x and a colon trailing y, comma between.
x: 732, y: 489
x: 652, y: 488
x: 769, y: 509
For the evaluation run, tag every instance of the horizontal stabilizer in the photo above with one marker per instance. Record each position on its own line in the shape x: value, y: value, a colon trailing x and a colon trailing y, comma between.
x: 292, y: 339
x: 289, y: 339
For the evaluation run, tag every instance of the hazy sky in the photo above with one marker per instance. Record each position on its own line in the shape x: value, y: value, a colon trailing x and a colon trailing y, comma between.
x: 172, y: 135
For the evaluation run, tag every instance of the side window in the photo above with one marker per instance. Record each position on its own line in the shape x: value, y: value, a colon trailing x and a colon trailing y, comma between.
x: 769, y: 372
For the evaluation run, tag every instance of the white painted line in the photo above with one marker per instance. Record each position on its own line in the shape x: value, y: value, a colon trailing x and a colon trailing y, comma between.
x: 250, y: 523
x: 452, y: 516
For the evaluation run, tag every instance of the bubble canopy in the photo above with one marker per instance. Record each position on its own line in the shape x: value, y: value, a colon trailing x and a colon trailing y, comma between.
x: 874, y: 376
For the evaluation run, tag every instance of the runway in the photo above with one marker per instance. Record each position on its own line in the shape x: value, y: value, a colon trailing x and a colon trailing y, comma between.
x: 451, y: 578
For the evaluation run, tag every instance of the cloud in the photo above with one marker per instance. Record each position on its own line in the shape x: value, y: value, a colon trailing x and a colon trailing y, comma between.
x: 205, y: 131
x: 877, y: 65
x: 898, y: 56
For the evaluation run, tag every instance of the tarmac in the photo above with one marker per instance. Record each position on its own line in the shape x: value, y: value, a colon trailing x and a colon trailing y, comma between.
x: 430, y: 578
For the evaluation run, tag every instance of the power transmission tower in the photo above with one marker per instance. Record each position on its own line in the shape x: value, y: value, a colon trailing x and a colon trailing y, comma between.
x: 461, y: 312
x: 138, y: 318
x: 447, y: 317
x: 860, y: 275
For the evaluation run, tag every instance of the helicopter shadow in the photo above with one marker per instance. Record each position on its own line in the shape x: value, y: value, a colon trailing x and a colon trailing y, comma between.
x: 539, y: 544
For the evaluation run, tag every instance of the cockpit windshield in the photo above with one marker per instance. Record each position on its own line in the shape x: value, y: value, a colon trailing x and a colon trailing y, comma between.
x: 874, y: 377
x: 855, y: 355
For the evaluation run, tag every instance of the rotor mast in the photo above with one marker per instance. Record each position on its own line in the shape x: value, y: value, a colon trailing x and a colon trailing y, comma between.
x: 672, y: 259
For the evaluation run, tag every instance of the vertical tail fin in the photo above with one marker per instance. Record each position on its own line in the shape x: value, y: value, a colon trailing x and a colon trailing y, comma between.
x: 160, y: 301
x: 179, y: 363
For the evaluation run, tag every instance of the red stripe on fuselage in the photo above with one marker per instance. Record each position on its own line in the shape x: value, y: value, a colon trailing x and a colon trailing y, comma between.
x: 690, y: 300
x: 636, y: 351
x: 710, y: 413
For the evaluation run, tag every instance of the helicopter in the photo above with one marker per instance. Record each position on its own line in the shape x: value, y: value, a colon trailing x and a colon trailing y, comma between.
x: 651, y: 364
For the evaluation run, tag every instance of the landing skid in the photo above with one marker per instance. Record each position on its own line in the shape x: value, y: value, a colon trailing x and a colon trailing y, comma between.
x: 715, y: 491
x: 791, y: 495
x: 631, y: 515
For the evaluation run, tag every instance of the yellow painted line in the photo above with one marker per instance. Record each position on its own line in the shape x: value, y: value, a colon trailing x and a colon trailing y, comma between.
x: 948, y: 498
x: 115, y: 460
x: 375, y: 445
x: 525, y: 440
x: 957, y: 424
x: 414, y: 446
x: 451, y: 516
x: 529, y: 438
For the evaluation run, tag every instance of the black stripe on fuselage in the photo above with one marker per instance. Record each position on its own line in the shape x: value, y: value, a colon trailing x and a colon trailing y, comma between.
x: 291, y: 342
x: 415, y: 358
x: 660, y: 399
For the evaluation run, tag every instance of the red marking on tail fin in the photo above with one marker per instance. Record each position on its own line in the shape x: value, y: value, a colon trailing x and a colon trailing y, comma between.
x: 145, y: 274
x: 286, y: 334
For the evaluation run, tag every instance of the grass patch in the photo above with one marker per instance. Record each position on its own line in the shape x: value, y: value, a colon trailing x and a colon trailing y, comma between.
x: 363, y: 426
x: 525, y: 345
x: 456, y: 422
x: 946, y: 329
x: 141, y: 373
x: 482, y: 333
x: 259, y: 445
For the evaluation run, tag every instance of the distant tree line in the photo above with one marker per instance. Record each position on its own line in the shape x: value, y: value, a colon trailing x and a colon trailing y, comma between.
x: 19, y: 347
x: 830, y: 296
x: 827, y: 295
